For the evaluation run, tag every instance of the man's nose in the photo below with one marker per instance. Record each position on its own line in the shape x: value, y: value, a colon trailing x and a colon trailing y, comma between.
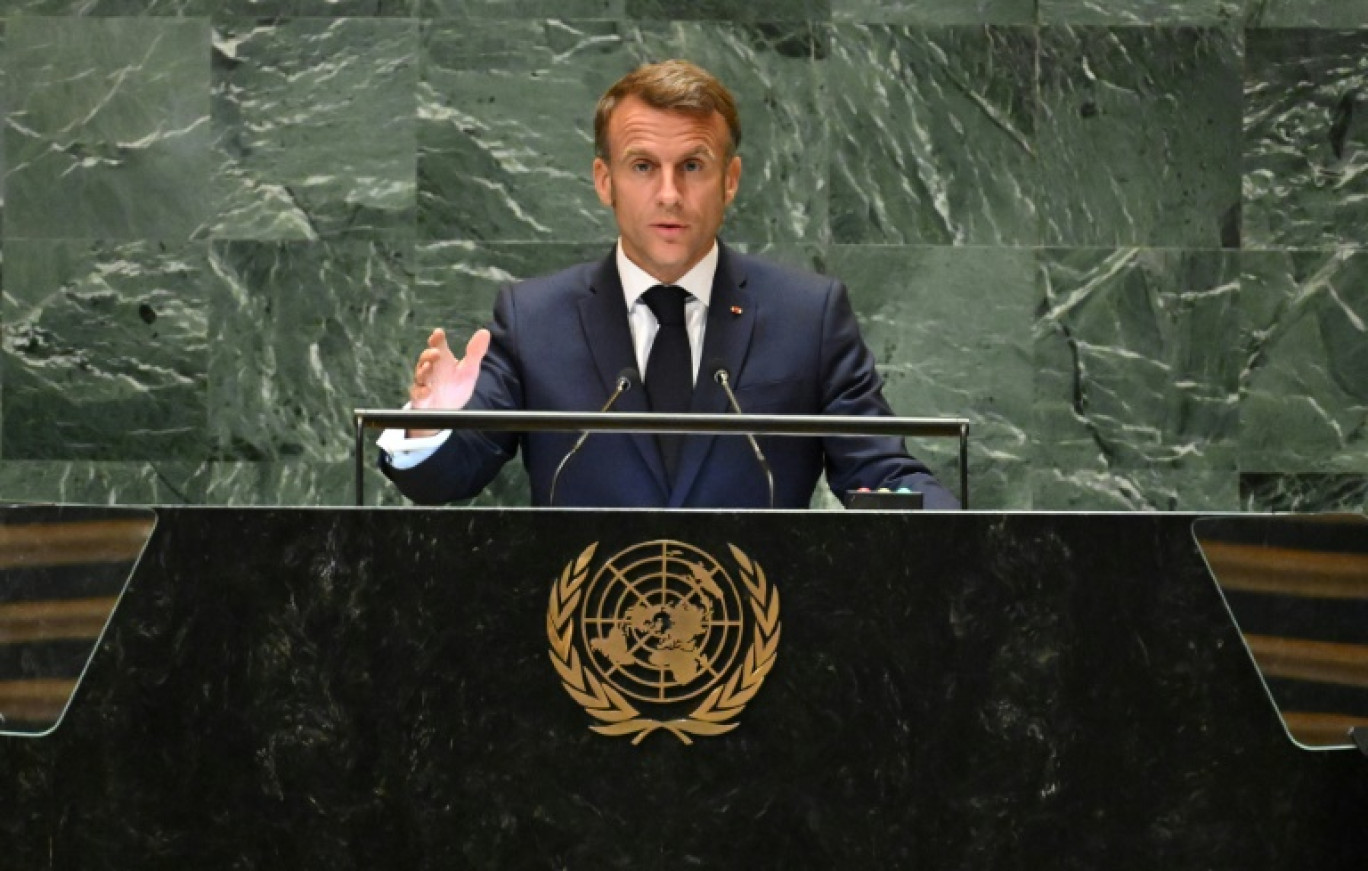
x: 669, y: 189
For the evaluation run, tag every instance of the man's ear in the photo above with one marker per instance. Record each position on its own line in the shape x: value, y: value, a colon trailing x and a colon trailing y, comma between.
x: 603, y: 182
x: 732, y: 180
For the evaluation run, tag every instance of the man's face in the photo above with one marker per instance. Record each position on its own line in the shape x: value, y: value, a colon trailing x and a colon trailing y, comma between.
x: 668, y: 181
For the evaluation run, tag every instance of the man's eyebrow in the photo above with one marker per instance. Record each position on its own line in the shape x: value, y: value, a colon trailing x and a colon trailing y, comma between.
x: 699, y: 151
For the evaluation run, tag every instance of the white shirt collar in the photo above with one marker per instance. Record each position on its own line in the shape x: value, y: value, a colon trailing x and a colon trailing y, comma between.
x: 697, y: 281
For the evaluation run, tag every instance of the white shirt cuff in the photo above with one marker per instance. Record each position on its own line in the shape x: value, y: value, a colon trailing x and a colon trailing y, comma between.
x: 405, y: 452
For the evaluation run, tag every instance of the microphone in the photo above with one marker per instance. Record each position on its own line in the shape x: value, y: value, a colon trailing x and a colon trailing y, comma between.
x: 723, y: 377
x: 626, y: 379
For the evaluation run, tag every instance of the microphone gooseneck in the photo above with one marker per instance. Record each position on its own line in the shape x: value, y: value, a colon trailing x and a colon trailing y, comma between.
x: 626, y: 379
x: 723, y: 377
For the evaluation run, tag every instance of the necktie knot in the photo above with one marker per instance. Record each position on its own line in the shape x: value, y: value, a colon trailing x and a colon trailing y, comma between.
x: 666, y: 302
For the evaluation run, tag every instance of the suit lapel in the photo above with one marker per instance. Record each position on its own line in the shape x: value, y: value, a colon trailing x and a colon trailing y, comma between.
x: 603, y: 316
x: 731, y: 321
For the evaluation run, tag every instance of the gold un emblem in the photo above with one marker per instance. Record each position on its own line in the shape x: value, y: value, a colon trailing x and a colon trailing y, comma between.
x: 660, y: 636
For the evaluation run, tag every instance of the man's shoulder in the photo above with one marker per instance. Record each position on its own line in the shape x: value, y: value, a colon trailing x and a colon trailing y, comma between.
x: 763, y: 275
x: 576, y: 277
x: 552, y: 296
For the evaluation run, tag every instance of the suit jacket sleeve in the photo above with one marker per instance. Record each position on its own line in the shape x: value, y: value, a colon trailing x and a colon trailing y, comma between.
x: 469, y: 459
x: 853, y: 386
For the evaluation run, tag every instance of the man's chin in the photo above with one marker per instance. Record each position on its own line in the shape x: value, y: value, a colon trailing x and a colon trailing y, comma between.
x: 665, y: 260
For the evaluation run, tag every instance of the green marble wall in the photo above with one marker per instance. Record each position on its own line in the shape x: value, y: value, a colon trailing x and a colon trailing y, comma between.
x: 1125, y: 237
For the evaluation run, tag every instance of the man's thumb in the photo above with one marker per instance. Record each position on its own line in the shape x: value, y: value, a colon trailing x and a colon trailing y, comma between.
x: 477, y: 346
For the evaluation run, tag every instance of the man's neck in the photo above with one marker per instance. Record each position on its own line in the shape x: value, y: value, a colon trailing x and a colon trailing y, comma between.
x: 698, y: 280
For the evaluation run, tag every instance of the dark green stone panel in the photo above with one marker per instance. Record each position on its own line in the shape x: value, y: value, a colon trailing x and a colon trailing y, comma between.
x: 505, y: 136
x: 217, y: 8
x: 5, y: 102
x: 1153, y: 489
x: 108, y: 482
x: 295, y: 482
x: 105, y: 355
x: 1142, y: 12
x: 729, y: 10
x: 934, y: 11
x: 458, y: 281
x: 104, y: 8
x: 1131, y: 370
x: 512, y: 10
x: 1306, y: 139
x: 314, y: 8
x: 1304, y: 493
x: 1308, y: 13
x: 178, y: 483
x: 504, y: 141
x: 108, y: 128
x: 301, y: 334
x: 1138, y: 136
x: 1304, y: 391
x: 933, y: 135
x: 951, y: 330
x: 315, y: 129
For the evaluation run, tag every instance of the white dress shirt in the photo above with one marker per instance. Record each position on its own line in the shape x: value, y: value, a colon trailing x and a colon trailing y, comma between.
x: 405, y: 452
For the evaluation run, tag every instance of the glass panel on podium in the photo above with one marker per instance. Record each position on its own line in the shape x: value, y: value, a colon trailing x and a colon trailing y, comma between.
x: 1297, y: 589
x: 63, y: 570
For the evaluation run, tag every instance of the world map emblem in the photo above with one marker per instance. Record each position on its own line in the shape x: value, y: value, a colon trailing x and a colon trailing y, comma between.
x: 662, y: 636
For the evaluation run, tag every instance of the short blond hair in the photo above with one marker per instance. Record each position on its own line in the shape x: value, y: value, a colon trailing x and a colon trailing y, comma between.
x: 672, y: 85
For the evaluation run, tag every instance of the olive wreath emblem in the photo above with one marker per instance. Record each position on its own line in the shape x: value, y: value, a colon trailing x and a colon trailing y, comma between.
x: 715, y: 714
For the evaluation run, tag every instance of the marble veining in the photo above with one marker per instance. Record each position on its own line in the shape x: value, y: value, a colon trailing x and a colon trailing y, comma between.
x: 936, y: 12
x: 935, y: 135
x: 1128, y: 378
x: 1304, y: 493
x: 935, y: 356
x: 218, y: 8
x: 1305, y: 406
x: 1141, y: 12
x: 106, y: 128
x: 1138, y: 136
x: 369, y: 169
x: 314, y: 123
x: 302, y: 334
x: 1308, y: 13
x: 105, y: 350
x: 1306, y: 138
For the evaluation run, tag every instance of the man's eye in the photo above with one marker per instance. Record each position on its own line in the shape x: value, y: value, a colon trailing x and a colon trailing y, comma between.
x: 640, y: 166
x: 693, y: 166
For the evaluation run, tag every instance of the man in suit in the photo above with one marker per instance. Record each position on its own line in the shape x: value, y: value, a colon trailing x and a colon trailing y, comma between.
x: 675, y: 303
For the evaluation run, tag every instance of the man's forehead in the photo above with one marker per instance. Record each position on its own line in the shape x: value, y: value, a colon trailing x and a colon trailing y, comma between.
x: 699, y: 149
x: 635, y: 125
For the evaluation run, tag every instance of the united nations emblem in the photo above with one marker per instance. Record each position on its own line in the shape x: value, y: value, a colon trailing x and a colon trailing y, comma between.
x: 660, y: 636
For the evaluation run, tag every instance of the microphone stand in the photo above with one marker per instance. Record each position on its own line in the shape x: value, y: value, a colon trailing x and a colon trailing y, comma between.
x: 722, y: 377
x: 626, y: 378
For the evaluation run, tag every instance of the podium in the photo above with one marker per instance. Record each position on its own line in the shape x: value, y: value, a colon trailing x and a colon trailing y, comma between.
x: 363, y: 688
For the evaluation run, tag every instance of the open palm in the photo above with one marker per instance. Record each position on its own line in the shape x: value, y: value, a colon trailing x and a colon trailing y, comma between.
x: 440, y: 380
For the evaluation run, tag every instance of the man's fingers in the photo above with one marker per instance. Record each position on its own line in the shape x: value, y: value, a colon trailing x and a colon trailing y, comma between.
x: 477, y: 346
x: 438, y: 341
x: 442, y: 381
x: 426, y: 361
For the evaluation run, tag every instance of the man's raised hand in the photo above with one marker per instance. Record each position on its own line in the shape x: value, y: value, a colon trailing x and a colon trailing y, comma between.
x: 440, y: 381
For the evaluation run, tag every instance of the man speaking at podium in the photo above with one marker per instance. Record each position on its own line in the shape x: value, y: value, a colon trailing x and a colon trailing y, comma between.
x: 672, y: 302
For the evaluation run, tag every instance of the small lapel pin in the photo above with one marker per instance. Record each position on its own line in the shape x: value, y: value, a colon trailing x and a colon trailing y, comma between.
x: 736, y: 309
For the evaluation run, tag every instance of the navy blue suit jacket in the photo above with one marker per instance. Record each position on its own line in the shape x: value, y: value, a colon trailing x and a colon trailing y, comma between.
x: 789, y: 340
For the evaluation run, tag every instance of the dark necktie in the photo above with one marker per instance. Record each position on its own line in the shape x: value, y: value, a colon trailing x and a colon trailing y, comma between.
x: 669, y: 368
